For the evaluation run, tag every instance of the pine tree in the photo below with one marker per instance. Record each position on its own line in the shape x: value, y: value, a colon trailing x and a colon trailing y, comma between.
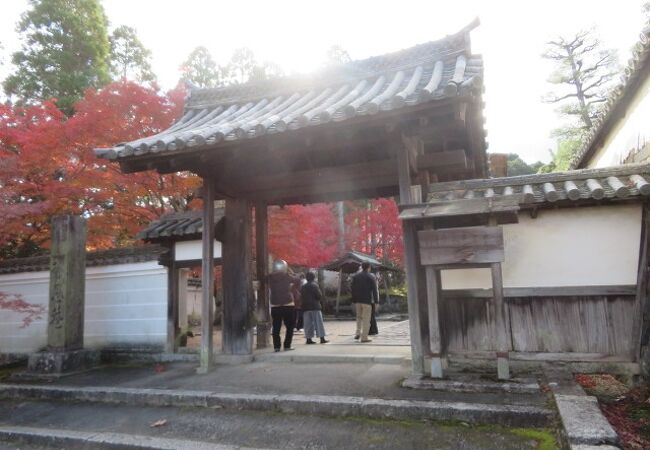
x: 583, y: 75
x: 65, y: 50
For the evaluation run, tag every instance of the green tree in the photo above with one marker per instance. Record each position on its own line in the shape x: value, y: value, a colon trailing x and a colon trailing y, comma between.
x: 336, y: 55
x: 129, y: 58
x: 244, y: 67
x: 517, y: 166
x: 65, y: 50
x: 583, y: 75
x: 561, y: 158
x: 201, y: 70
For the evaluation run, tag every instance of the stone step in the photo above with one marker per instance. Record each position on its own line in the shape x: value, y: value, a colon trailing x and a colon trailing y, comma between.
x: 71, y: 439
x: 515, y: 386
x: 61, y: 424
x: 316, y: 405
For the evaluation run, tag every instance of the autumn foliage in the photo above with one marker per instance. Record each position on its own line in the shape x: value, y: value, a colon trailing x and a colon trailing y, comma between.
x: 48, y: 167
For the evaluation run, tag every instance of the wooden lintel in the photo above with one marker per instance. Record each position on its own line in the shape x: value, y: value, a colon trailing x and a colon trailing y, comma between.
x: 377, y: 170
x: 546, y: 292
x: 440, y: 160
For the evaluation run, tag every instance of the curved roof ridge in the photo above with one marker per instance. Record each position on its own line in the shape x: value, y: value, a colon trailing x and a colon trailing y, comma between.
x: 373, y: 66
x: 616, y: 98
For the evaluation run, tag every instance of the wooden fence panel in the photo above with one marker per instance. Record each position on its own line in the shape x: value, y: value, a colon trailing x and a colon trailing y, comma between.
x: 576, y: 324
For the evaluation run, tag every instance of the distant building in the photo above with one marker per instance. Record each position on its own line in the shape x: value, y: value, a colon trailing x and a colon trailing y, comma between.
x: 622, y: 134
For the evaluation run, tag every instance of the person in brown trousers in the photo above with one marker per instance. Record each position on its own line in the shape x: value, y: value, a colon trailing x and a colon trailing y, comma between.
x: 364, y: 293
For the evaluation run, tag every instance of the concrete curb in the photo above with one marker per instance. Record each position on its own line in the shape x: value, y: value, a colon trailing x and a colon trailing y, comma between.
x: 321, y: 405
x: 102, y: 440
x: 583, y: 421
x: 290, y: 357
x: 513, y: 387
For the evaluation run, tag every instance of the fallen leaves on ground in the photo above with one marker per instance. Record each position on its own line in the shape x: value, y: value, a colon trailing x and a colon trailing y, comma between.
x: 158, y: 423
x: 627, y: 410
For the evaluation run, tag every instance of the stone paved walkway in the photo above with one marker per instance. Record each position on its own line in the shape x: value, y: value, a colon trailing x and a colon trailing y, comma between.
x: 390, y: 333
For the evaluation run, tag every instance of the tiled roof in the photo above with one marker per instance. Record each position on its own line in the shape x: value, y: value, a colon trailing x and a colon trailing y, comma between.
x: 424, y: 73
x: 618, y: 99
x: 96, y: 258
x: 175, y: 226
x: 587, y: 184
x: 351, y: 261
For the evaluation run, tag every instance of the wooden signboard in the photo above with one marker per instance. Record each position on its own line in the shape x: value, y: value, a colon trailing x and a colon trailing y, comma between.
x: 469, y: 245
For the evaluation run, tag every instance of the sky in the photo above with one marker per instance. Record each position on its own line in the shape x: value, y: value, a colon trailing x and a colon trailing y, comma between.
x: 296, y: 35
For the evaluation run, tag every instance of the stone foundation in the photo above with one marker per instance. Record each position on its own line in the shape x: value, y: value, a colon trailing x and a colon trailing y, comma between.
x: 62, y: 362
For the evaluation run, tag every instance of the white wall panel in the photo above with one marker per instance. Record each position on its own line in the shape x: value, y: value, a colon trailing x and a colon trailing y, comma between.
x: 125, y: 304
x: 592, y: 246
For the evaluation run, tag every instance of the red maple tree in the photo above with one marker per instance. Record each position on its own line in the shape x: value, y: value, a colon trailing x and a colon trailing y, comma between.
x: 48, y: 167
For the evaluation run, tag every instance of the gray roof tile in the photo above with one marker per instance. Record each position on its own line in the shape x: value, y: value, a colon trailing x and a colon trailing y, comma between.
x: 424, y: 73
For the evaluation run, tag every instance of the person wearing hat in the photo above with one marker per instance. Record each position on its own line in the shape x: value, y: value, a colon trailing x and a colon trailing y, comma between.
x: 283, y: 307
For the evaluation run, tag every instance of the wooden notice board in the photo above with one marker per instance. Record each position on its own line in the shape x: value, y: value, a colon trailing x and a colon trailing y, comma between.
x: 468, y: 245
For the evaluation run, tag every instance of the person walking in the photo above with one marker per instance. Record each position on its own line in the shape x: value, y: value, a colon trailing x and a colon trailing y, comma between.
x: 364, y: 293
x: 312, y: 310
x: 282, y: 303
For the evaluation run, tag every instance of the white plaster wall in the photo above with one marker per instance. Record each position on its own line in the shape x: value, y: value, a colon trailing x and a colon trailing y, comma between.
x: 566, y: 247
x: 125, y: 304
x: 631, y: 133
x: 191, y: 250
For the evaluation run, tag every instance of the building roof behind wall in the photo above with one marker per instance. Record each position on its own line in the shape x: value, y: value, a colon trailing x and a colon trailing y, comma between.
x: 180, y: 226
x: 95, y: 258
x: 614, y: 109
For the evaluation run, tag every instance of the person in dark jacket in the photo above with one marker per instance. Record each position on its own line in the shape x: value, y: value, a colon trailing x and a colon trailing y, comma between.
x: 364, y: 293
x: 283, y: 308
x: 312, y: 310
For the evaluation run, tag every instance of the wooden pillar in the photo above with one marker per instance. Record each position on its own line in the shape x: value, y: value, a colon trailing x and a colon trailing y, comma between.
x: 436, y: 346
x: 641, y: 324
x: 410, y: 260
x: 261, y: 259
x: 338, y: 293
x: 207, y: 278
x: 183, y: 275
x: 501, y: 323
x: 172, y: 304
x: 238, y: 314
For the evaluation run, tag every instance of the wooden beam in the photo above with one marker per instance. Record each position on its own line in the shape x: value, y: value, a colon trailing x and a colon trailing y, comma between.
x: 438, y: 161
x: 262, y: 263
x: 238, y: 302
x: 324, y: 176
x: 471, y: 245
x: 546, y: 292
x: 207, y: 278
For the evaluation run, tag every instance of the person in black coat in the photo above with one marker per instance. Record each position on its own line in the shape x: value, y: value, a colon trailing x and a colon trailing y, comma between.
x: 312, y: 310
x: 364, y: 294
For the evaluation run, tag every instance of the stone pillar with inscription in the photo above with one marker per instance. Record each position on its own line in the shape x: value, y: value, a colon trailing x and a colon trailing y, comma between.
x: 65, y: 329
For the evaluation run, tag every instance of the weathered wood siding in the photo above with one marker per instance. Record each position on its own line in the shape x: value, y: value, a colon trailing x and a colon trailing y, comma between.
x: 578, y: 324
